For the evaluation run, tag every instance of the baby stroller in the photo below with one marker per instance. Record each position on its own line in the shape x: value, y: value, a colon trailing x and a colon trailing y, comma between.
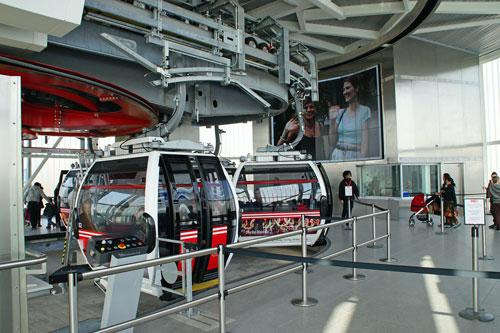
x: 421, y: 209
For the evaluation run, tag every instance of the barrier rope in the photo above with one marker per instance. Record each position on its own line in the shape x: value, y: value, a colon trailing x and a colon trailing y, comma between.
x: 458, y: 194
x: 371, y: 266
x: 369, y: 205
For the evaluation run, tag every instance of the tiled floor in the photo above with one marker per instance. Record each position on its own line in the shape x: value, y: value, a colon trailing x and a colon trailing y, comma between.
x: 383, y: 302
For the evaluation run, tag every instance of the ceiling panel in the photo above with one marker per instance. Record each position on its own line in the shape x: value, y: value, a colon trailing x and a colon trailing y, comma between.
x: 455, y: 26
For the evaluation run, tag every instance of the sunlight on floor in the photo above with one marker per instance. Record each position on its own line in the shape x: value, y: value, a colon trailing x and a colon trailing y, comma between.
x: 341, y: 316
x: 443, y: 316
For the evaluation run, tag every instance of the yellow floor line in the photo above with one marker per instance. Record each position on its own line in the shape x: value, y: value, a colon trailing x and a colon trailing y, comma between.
x: 203, y: 285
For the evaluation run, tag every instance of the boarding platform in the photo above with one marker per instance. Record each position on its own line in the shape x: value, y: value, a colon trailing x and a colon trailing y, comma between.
x: 382, y: 302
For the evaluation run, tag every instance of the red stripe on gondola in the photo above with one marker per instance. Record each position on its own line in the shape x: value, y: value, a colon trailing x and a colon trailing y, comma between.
x: 114, y: 187
x: 280, y: 214
x: 292, y: 181
x: 85, y: 235
x: 219, y: 236
x: 188, y: 185
x: 188, y: 236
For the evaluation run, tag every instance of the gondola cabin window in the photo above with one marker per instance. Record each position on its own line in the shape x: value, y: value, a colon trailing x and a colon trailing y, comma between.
x: 112, y: 198
x: 273, y: 201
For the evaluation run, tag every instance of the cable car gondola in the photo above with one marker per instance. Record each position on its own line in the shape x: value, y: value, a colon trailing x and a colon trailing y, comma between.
x: 275, y: 189
x: 66, y: 189
x: 188, y: 195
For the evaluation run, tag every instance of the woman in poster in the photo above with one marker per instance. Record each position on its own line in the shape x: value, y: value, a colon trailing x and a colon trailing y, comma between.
x: 348, y: 137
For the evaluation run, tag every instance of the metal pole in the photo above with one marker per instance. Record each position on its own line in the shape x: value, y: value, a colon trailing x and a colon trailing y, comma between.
x: 475, y: 290
x: 442, y: 219
x: 189, y: 283
x: 388, y: 228
x: 304, y: 265
x: 40, y: 166
x: 304, y: 301
x: 485, y: 250
x: 354, y: 276
x: 374, y: 231
x: 483, y: 227
x: 475, y: 312
x: 349, y: 213
x: 73, y: 302
x: 222, y: 289
x: 184, y: 271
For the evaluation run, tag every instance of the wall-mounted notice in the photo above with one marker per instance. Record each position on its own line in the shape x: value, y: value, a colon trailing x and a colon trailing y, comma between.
x: 474, y: 211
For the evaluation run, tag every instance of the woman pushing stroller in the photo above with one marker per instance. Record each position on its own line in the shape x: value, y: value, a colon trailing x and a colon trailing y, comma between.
x: 449, y: 202
x: 447, y: 194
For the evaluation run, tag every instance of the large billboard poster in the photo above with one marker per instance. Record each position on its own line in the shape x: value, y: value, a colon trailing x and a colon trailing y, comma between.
x: 346, y: 123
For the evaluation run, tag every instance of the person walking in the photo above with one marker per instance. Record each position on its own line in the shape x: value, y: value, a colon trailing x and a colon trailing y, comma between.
x: 449, y: 202
x: 32, y: 198
x: 494, y: 195
x: 347, y: 190
x: 487, y: 188
x: 436, y: 205
x: 49, y: 212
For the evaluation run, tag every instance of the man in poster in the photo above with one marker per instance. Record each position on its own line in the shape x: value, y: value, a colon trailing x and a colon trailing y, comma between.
x: 311, y: 141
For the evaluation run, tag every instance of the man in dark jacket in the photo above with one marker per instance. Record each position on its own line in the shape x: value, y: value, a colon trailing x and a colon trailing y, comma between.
x: 347, y: 191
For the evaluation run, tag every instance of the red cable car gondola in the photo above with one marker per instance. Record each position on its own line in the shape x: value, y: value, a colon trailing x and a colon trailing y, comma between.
x: 275, y: 189
x: 188, y: 195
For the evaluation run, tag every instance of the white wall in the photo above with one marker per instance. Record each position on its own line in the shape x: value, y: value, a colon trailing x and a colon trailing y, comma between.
x: 438, y: 108
x: 491, y: 104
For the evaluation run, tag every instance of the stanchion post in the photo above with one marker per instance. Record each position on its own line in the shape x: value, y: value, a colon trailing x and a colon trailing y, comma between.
x: 485, y: 249
x: 73, y: 302
x: 189, y: 283
x: 354, y: 276
x: 349, y: 212
x: 475, y: 312
x: 222, y: 289
x: 183, y: 268
x: 388, y: 229
x: 374, y: 231
x: 441, y: 232
x: 304, y: 301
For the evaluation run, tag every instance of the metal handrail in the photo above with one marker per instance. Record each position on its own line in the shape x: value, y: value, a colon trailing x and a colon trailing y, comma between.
x: 178, y: 257
x: 39, y: 259
x: 74, y: 277
x: 144, y: 264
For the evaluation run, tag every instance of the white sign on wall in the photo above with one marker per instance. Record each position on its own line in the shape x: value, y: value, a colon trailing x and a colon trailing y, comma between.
x: 474, y: 211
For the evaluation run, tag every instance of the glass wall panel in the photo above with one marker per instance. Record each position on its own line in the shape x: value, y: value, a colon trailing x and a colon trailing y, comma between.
x: 419, y: 179
x: 380, y: 180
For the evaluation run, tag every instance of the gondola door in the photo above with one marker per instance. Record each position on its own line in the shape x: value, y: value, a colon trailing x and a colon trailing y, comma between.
x: 185, y: 202
x: 217, y: 193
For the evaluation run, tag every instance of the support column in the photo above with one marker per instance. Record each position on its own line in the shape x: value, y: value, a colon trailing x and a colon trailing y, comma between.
x: 13, y: 300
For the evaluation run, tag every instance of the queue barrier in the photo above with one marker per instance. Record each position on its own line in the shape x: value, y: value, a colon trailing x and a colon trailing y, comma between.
x: 74, y: 277
x: 238, y: 248
x: 482, y: 196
